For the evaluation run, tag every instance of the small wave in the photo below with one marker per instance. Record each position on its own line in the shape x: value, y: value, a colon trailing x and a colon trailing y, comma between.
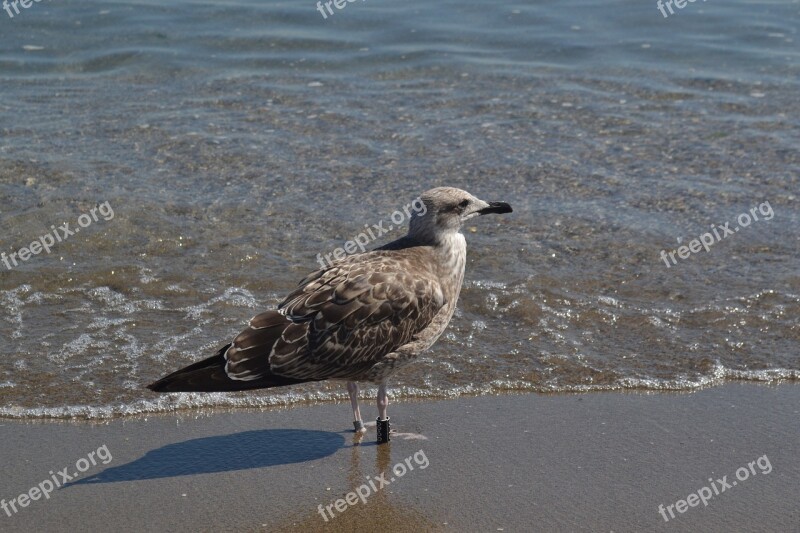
x: 235, y: 296
x: 189, y: 401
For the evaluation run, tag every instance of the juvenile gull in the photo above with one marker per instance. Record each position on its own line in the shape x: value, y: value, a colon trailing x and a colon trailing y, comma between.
x: 359, y: 319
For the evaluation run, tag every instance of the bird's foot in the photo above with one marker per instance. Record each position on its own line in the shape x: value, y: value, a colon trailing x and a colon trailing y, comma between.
x: 408, y: 436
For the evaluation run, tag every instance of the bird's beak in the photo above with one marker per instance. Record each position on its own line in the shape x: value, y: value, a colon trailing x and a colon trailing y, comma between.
x: 479, y: 207
x: 495, y: 207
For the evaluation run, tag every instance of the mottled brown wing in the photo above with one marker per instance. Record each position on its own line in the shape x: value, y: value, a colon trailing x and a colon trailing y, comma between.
x: 348, y: 317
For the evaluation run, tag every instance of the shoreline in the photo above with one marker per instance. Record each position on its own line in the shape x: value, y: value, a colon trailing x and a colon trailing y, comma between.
x: 561, y: 461
x: 246, y: 401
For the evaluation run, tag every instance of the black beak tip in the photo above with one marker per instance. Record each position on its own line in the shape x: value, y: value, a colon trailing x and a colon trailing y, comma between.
x: 497, y: 208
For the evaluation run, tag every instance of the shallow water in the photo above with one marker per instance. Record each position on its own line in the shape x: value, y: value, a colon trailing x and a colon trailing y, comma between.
x: 236, y: 141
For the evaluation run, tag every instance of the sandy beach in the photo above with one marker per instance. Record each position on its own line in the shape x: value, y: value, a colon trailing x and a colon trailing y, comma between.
x: 567, y: 462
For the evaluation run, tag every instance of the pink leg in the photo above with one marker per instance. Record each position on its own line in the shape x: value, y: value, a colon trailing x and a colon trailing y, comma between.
x: 383, y: 426
x: 383, y: 401
x: 358, y: 424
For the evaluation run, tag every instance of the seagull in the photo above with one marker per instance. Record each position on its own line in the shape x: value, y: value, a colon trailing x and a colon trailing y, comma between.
x: 359, y: 319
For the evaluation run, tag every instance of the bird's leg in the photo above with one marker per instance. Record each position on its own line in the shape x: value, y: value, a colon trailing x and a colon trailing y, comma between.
x: 383, y: 418
x: 383, y: 401
x: 358, y: 424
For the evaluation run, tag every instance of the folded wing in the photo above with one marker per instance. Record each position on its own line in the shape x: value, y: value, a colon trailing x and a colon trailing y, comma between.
x: 339, y: 322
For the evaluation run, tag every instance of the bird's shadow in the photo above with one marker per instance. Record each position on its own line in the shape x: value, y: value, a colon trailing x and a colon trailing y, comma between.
x: 224, y: 453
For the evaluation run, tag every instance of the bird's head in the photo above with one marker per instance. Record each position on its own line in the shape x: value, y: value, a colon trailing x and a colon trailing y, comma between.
x: 446, y: 210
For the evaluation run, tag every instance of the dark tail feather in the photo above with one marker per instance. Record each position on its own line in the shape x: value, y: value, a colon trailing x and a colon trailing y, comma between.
x: 209, y: 375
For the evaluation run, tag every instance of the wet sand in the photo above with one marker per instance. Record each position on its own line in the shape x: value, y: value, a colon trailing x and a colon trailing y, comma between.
x: 567, y: 462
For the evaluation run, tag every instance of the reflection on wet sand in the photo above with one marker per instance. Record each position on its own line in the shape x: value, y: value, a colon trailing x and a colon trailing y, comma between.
x: 382, y: 510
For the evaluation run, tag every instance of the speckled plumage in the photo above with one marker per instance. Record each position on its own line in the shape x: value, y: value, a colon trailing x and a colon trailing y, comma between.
x: 360, y: 318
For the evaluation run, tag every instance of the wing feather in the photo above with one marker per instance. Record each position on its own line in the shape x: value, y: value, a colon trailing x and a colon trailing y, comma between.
x: 352, y: 315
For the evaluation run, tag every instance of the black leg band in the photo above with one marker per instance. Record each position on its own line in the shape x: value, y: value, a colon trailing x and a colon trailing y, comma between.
x: 383, y: 430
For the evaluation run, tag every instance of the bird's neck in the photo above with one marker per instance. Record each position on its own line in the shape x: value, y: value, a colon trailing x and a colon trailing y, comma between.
x: 451, y: 250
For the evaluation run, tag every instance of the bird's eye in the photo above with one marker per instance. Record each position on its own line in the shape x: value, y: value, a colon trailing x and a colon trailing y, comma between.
x: 463, y: 204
